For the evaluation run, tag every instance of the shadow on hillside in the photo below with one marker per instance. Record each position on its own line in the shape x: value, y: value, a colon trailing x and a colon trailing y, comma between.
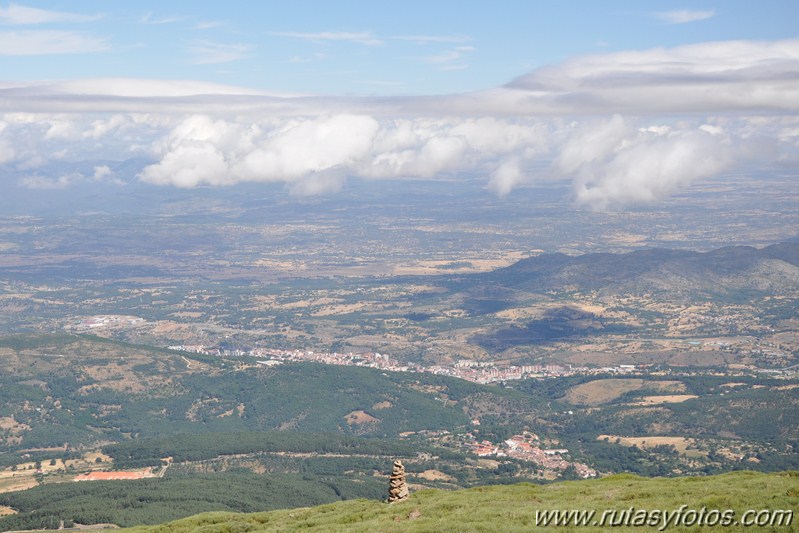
x: 557, y: 324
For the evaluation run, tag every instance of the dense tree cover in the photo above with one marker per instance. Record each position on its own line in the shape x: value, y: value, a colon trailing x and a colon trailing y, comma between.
x: 222, y: 411
x: 459, y: 467
x: 151, y: 501
x: 305, y: 397
x: 612, y: 457
x: 10, y: 458
x: 758, y: 411
x: 198, y: 447
x: 756, y: 414
x: 344, y: 467
x: 777, y: 462
x: 552, y: 389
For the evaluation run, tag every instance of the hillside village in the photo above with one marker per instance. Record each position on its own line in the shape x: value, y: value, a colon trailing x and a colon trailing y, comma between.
x: 474, y: 371
x: 527, y: 446
x: 482, y: 372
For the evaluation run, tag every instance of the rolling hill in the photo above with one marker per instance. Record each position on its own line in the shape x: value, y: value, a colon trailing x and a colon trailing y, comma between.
x: 718, y: 273
x: 515, y: 507
x: 65, y: 389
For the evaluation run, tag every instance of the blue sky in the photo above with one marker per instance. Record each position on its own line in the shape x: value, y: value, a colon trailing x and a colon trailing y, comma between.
x: 630, y: 102
x: 355, y: 47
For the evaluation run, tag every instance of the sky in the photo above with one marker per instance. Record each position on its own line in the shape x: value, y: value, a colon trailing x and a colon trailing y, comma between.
x: 629, y: 101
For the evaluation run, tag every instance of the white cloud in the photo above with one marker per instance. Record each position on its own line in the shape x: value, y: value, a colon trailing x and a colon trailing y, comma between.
x: 506, y: 177
x: 426, y: 147
x: 102, y: 172
x: 7, y: 153
x: 208, y: 52
x: 208, y: 24
x: 29, y: 140
x: 615, y: 164
x: 490, y: 135
x: 593, y: 142
x: 611, y: 162
x: 42, y: 42
x: 102, y: 127
x: 732, y: 76
x: 312, y: 155
x: 706, y: 77
x: 307, y: 59
x: 426, y: 39
x: 133, y: 88
x: 61, y: 129
x: 44, y: 183
x: 665, y: 118
x: 302, y: 147
x: 188, y: 165
x: 23, y: 15
x: 200, y: 151
x: 149, y: 18
x: 683, y: 16
x: 365, y: 37
x: 452, y: 59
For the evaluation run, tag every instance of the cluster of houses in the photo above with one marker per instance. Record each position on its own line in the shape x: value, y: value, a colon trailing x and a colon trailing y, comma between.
x: 106, y: 321
x: 527, y: 447
x: 475, y: 371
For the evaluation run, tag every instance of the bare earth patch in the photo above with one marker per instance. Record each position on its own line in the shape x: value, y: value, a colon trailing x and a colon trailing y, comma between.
x: 116, y: 377
x: 91, y: 457
x: 360, y: 417
x: 681, y: 444
x: 5, y: 511
x: 435, y: 475
x: 457, y: 266
x: 14, y: 429
x: 19, y: 481
x: 342, y: 309
x: 670, y: 398
x: 602, y: 391
x: 539, y: 310
x: 166, y: 327
x: 8, y: 422
x: 381, y: 405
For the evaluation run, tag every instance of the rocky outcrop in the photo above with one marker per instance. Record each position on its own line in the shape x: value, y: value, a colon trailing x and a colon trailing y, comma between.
x: 397, y: 487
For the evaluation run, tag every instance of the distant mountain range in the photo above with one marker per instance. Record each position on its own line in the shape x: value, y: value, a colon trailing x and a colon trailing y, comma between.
x: 721, y: 273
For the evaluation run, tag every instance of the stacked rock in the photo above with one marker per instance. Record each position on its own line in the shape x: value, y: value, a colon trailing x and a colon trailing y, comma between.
x: 397, y: 487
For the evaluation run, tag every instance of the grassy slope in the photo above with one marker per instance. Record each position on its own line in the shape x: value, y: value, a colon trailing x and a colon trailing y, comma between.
x: 512, y: 508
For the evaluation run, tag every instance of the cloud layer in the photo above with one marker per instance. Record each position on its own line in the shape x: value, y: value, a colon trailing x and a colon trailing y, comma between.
x: 623, y: 128
x: 38, y: 42
x: 683, y: 16
x: 707, y: 77
x: 23, y: 15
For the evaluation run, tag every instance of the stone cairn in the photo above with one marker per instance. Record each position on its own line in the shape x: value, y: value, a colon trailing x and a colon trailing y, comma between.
x: 397, y: 487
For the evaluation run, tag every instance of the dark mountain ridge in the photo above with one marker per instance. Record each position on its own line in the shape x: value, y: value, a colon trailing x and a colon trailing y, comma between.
x: 718, y: 272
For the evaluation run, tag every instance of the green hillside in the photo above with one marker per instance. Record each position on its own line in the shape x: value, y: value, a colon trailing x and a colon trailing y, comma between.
x: 88, y: 390
x: 515, y: 507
